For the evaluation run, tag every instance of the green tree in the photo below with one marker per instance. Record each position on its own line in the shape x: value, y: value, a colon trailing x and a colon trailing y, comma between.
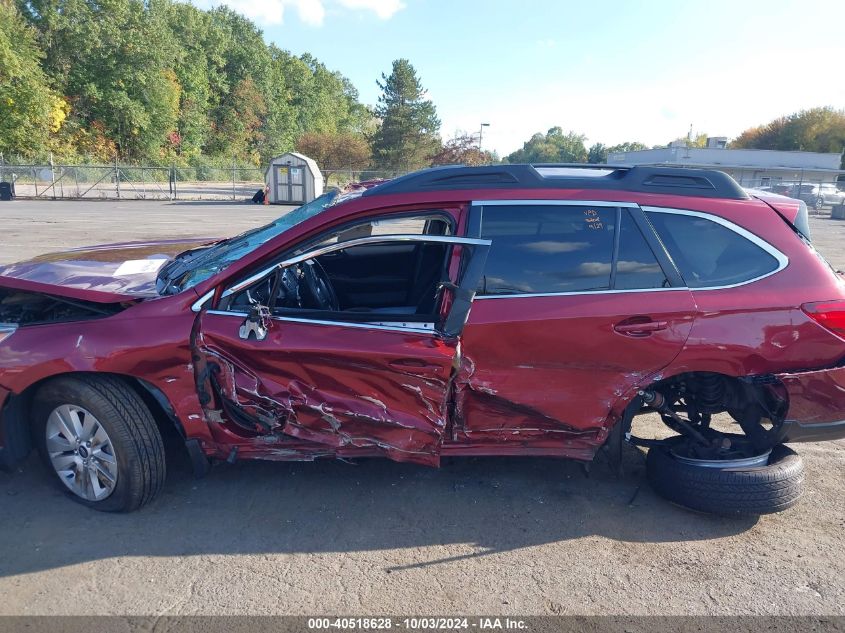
x: 28, y: 108
x: 552, y: 147
x: 626, y: 147
x: 815, y: 130
x: 408, y: 134
x: 597, y: 153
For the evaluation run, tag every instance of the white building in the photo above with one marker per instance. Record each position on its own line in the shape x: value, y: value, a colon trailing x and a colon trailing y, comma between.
x: 749, y: 167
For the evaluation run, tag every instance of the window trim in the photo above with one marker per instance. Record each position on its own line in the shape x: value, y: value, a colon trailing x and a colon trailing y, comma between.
x: 781, y: 258
x: 476, y: 219
x: 395, y: 324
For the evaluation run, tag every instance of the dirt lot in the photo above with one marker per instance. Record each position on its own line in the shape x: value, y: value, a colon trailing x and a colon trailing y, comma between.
x: 507, y: 536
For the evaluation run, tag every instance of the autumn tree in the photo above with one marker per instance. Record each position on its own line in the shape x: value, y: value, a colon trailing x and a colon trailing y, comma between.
x: 408, y: 134
x: 462, y: 150
x: 815, y: 130
x: 336, y: 150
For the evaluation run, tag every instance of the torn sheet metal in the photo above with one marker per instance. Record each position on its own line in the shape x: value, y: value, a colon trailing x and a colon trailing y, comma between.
x: 381, y: 390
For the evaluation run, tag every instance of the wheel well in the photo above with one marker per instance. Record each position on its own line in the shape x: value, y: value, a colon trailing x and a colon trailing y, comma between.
x: 18, y: 423
x: 709, y: 393
x: 686, y: 403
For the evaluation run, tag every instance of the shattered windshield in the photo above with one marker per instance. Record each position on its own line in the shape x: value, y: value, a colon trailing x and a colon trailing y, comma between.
x: 195, y: 266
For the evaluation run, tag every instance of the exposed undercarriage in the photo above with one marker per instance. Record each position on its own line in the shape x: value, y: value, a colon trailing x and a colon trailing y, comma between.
x: 688, y: 402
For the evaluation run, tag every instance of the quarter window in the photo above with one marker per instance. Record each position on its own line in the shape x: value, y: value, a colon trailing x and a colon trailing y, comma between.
x: 547, y: 249
x: 709, y: 254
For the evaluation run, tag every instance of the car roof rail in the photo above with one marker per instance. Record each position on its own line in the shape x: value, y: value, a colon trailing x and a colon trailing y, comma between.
x: 685, y: 181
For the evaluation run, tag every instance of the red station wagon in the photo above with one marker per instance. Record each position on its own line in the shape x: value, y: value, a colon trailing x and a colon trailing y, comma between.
x: 503, y: 310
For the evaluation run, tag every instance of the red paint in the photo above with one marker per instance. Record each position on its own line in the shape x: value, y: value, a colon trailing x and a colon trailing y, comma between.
x: 533, y: 375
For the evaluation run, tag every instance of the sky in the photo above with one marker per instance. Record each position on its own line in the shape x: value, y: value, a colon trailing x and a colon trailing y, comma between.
x: 612, y: 70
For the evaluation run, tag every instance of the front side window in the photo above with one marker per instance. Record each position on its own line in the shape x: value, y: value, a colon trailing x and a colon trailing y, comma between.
x: 709, y: 254
x: 547, y: 249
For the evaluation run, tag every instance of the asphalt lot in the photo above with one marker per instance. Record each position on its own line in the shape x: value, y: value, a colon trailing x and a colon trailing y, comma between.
x: 505, y: 536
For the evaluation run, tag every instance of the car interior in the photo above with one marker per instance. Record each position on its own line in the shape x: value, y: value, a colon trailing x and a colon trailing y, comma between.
x: 379, y: 281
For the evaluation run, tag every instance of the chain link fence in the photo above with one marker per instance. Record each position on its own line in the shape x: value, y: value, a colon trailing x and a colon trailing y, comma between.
x: 55, y: 181
x: 108, y: 182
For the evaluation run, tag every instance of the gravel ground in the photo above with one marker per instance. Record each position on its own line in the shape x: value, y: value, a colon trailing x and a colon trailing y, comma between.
x: 507, y: 536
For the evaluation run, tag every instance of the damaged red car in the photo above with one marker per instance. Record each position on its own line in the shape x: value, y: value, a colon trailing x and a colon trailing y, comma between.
x: 504, y: 310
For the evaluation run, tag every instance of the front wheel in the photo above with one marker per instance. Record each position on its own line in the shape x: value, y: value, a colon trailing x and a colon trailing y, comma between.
x: 741, y: 487
x: 101, y: 441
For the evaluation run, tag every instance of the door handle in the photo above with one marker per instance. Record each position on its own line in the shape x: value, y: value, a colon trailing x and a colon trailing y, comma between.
x: 631, y: 327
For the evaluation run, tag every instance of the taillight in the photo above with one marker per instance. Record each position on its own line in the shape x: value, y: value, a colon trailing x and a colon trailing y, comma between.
x: 830, y: 314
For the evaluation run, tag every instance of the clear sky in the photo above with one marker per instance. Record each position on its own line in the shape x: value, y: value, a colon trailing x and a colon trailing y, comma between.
x: 610, y: 69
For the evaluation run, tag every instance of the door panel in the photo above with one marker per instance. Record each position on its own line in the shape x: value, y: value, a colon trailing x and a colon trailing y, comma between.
x: 328, y: 384
x: 537, y: 366
x: 333, y: 385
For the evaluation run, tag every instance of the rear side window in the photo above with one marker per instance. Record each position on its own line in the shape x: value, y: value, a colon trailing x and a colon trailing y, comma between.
x: 709, y: 254
x: 547, y: 249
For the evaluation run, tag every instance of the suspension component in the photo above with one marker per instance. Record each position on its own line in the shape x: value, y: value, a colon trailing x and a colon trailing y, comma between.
x: 656, y: 400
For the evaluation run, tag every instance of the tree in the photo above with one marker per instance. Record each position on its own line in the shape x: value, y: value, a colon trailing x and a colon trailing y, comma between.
x: 462, y: 150
x: 815, y: 130
x: 626, y: 147
x: 159, y: 81
x: 408, y: 134
x: 553, y: 147
x: 597, y: 153
x: 336, y: 150
x: 29, y: 110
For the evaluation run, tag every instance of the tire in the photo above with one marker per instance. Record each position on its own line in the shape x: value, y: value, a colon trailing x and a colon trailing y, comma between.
x: 819, y: 203
x: 135, y: 443
x: 748, y: 491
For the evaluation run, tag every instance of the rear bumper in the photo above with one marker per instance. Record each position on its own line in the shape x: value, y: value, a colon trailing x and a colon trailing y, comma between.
x: 816, y: 405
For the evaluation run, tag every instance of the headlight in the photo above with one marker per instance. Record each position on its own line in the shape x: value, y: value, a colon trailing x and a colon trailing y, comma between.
x: 6, y: 331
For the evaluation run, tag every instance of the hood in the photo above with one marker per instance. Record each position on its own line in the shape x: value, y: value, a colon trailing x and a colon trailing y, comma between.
x: 106, y: 274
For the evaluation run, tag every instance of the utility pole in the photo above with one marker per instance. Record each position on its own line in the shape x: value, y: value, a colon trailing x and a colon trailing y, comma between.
x: 481, y: 134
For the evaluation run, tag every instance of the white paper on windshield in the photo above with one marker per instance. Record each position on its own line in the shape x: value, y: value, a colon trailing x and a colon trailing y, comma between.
x: 138, y: 266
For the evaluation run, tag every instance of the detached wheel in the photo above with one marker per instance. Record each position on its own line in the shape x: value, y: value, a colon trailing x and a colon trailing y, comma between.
x: 741, y: 487
x: 101, y: 441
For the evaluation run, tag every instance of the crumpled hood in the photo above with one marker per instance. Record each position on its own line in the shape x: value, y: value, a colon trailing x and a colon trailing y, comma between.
x: 110, y: 272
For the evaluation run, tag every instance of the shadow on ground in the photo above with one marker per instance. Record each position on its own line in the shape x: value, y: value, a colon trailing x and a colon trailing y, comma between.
x: 493, y: 504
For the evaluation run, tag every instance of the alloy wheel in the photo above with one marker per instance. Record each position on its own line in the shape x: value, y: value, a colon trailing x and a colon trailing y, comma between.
x: 81, y: 452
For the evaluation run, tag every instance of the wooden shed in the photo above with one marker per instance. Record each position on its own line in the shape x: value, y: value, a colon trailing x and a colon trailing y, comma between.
x: 293, y: 179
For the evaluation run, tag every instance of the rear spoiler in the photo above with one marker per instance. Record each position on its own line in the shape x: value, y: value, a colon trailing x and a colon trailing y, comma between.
x: 793, y: 211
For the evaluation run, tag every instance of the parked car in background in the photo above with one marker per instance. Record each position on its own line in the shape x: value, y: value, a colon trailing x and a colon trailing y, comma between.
x: 531, y: 310
x: 818, y: 195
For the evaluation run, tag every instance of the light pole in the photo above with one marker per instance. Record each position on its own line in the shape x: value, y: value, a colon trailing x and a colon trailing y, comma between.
x: 481, y: 134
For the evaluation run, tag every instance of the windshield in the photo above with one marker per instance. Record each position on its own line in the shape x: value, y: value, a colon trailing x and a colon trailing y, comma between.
x: 192, y: 267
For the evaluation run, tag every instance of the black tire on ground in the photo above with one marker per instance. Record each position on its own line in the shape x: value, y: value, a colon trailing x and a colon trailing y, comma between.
x: 137, y: 442
x: 733, y: 492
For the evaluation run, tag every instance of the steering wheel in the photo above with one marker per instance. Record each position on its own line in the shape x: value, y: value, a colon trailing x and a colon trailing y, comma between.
x: 318, y: 287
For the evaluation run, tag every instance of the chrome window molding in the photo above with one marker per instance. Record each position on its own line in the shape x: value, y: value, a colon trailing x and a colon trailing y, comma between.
x: 782, y: 260
x: 552, y: 203
x: 575, y: 293
x: 198, y: 304
x: 391, y: 326
x: 6, y: 330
